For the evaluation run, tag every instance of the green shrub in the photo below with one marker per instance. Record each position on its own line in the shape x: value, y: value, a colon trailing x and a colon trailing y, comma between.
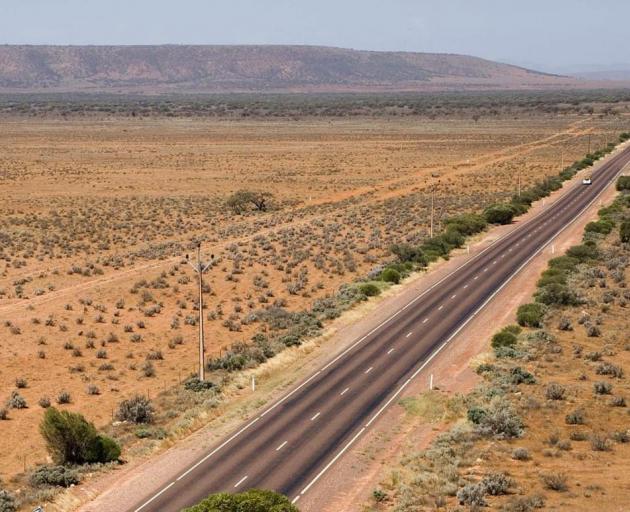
x: 503, y: 339
x: 623, y: 183
x: 475, y: 414
x: 390, y: 275
x: 55, y: 476
x: 602, y: 226
x: 137, y: 409
x: 565, y: 264
x: 409, y: 253
x: 624, y: 231
x: 530, y: 315
x: 584, y: 252
x: 253, y: 500
x: 499, y: 214
x: 369, y: 289
x: 71, y: 439
x: 7, y: 502
x: 520, y: 376
x: 466, y: 224
x: 555, y: 293
x: 552, y: 276
x: 197, y: 385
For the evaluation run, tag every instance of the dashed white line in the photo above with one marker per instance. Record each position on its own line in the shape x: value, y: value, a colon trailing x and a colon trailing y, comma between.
x: 409, y: 334
x: 453, y: 296
x: 316, y: 416
x: 465, y: 286
x: 240, y: 481
x: 475, y: 278
x: 440, y: 308
x: 390, y: 351
x: 425, y: 320
x: 369, y: 369
x: 345, y: 391
x: 281, y: 446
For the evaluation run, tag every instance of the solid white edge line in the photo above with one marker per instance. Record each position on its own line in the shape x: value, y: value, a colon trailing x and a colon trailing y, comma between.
x: 281, y: 446
x: 155, y: 496
x: 456, y: 332
x: 414, y: 300
x: 240, y: 481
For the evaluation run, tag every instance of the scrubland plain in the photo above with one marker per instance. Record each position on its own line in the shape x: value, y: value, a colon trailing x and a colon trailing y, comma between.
x: 97, y: 302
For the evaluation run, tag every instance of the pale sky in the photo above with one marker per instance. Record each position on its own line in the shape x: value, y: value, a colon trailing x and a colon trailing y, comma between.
x: 550, y: 35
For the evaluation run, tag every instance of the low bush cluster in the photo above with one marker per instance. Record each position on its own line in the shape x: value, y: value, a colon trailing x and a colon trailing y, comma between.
x: 54, y: 476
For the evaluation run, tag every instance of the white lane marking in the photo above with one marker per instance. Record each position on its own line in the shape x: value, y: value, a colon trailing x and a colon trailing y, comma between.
x: 453, y: 296
x: 240, y: 481
x: 192, y: 468
x: 485, y: 269
x: 440, y: 308
x: 390, y: 351
x: 425, y: 320
x: 369, y: 369
x: 465, y: 286
x: 408, y: 334
x: 281, y: 446
x: 316, y: 416
x: 475, y: 278
x: 295, y: 499
x: 494, y: 262
x: 345, y: 391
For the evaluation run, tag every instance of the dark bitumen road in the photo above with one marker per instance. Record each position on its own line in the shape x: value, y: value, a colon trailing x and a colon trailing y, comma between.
x: 290, y: 445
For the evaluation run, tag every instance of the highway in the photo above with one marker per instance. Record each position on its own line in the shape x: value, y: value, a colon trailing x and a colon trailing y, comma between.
x: 290, y: 445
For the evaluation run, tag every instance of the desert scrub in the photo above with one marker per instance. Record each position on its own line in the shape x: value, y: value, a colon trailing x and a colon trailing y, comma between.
x: 137, y: 409
x: 530, y: 315
x: 16, y: 401
x: 55, y: 476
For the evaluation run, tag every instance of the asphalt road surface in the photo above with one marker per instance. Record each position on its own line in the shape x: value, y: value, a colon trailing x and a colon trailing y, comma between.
x: 290, y: 445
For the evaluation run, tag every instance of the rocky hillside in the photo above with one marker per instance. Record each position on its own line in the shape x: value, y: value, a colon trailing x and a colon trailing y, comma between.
x: 171, y: 68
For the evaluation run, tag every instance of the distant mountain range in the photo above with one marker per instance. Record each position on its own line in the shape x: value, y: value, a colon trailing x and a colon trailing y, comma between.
x: 194, y: 69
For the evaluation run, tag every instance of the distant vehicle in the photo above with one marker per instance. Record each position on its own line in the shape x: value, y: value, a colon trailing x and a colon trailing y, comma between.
x: 587, y: 181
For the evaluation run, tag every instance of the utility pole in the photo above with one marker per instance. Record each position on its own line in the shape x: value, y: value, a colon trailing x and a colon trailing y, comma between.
x: 200, y: 268
x: 432, y: 202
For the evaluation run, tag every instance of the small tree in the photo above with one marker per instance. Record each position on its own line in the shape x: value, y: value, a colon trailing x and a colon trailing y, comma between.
x: 241, y: 199
x: 71, y: 439
x: 624, y: 231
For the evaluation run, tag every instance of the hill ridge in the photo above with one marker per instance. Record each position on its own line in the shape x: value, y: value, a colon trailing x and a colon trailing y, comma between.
x: 251, y: 68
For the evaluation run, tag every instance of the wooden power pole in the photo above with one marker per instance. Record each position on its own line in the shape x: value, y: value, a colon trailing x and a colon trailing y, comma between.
x: 200, y: 268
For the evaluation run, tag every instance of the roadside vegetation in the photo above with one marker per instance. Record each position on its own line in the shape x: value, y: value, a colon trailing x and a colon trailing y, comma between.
x: 254, y: 500
x: 547, y: 427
